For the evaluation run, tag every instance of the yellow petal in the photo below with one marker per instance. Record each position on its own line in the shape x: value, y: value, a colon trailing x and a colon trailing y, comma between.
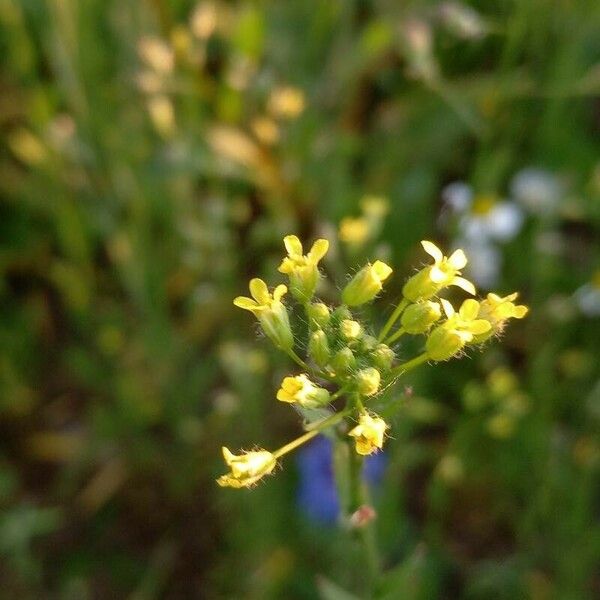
x: 381, y: 270
x: 280, y: 291
x: 292, y: 244
x: 259, y: 290
x: 318, y: 251
x: 246, y: 303
x: 464, y: 284
x: 520, y: 311
x: 227, y: 455
x: 287, y: 266
x: 229, y: 481
x: 284, y: 396
x: 479, y: 326
x: 448, y: 308
x: 433, y: 251
x: 469, y: 309
x: 436, y: 274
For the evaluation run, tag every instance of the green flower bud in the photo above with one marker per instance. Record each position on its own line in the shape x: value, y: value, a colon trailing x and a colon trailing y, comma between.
x: 343, y: 361
x: 368, y: 381
x: 366, y: 284
x: 368, y: 343
x: 383, y: 356
x: 420, y: 286
x: 318, y: 347
x: 419, y: 317
x: 350, y: 329
x: 340, y: 314
x: 443, y: 343
x: 276, y: 325
x: 318, y: 315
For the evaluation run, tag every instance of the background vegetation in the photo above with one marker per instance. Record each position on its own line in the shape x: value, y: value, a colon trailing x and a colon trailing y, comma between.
x: 152, y: 156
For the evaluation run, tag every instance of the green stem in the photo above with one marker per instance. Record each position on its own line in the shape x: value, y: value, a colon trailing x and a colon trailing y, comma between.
x: 393, y: 318
x: 337, y: 394
x: 296, y: 358
x: 395, y: 336
x: 411, y: 364
x: 365, y: 533
x: 320, y: 373
x: 328, y: 422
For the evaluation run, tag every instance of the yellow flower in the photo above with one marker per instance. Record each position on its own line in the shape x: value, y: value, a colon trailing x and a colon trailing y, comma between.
x: 444, y: 272
x: 375, y: 207
x: 450, y: 337
x: 286, y: 102
x: 247, y: 468
x: 270, y: 311
x: 354, y: 230
x: 301, y: 390
x: 366, y: 284
x: 369, y: 433
x: 357, y: 231
x: 302, y: 270
x: 497, y: 311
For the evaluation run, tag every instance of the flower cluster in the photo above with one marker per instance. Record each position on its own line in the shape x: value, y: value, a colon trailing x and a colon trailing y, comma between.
x: 345, y: 359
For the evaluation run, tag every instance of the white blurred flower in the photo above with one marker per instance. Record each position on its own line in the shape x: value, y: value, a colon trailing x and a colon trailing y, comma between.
x: 462, y: 20
x: 587, y: 297
x: 485, y: 263
x: 457, y: 196
x: 490, y: 220
x: 483, y: 222
x: 539, y: 191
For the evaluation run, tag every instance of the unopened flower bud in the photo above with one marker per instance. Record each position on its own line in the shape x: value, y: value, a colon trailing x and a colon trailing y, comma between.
x: 318, y: 315
x: 340, y: 314
x: 366, y: 284
x: 418, y: 318
x: 443, y: 343
x: 383, y: 356
x: 368, y: 343
x: 350, y: 329
x: 318, y: 347
x: 343, y: 361
x: 368, y: 381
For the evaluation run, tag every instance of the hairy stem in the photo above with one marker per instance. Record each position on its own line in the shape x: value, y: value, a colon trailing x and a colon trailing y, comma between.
x: 411, y: 364
x: 393, y: 318
x: 328, y: 422
x: 399, y: 333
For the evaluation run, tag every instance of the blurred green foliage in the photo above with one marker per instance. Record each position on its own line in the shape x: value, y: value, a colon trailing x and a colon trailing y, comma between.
x: 152, y: 156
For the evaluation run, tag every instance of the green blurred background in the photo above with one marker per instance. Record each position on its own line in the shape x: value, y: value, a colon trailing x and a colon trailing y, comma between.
x: 152, y: 156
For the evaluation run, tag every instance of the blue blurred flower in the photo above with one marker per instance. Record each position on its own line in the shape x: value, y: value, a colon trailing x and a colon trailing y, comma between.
x: 317, y: 494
